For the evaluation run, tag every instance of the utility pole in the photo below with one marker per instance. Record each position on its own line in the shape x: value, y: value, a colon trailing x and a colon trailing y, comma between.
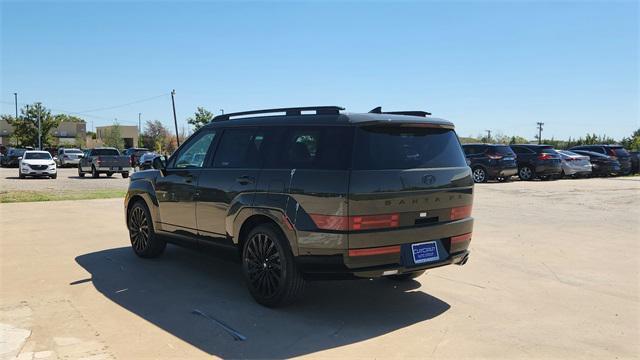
x: 540, y: 132
x: 222, y: 111
x: 175, y: 120
x: 488, y: 135
x: 139, y: 128
x: 39, y: 131
x: 16, y: 97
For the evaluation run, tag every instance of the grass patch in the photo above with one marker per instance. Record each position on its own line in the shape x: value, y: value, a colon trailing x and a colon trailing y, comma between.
x: 30, y: 196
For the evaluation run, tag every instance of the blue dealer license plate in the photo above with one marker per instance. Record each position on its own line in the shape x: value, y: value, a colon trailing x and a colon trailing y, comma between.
x: 425, y: 252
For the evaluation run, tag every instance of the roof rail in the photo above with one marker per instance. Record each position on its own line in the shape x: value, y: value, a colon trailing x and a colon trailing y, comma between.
x: 320, y: 110
x: 378, y: 110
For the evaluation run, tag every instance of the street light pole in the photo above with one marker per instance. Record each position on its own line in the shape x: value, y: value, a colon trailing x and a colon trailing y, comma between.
x: 222, y: 111
x: 540, y: 132
x: 175, y: 120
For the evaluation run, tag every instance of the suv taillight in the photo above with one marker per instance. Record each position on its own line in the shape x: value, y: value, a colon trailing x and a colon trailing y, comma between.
x: 494, y: 156
x: 359, y: 222
x: 460, y: 212
x: 545, y: 156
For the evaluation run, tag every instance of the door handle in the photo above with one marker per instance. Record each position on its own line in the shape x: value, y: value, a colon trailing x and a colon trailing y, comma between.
x: 188, y: 179
x: 245, y: 180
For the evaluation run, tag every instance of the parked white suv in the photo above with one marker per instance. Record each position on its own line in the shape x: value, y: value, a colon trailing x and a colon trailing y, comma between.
x: 37, y: 163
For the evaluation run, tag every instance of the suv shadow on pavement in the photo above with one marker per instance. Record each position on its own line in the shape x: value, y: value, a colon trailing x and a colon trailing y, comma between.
x: 175, y: 291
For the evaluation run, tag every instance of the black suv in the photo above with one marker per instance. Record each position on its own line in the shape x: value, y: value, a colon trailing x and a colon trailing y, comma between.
x: 311, y: 193
x: 615, y: 152
x: 12, y: 158
x: 537, y: 161
x: 490, y: 161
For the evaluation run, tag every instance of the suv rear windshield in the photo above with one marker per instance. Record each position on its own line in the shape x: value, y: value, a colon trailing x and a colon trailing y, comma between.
x: 502, y: 150
x: 549, y: 150
x: 620, y: 151
x: 105, y: 152
x: 395, y: 147
x: 72, y: 151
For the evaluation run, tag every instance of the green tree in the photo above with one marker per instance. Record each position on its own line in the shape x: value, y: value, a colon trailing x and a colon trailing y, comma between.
x: 113, y: 137
x: 68, y: 118
x: 154, y: 135
x: 200, y: 118
x: 25, y: 127
x: 633, y: 142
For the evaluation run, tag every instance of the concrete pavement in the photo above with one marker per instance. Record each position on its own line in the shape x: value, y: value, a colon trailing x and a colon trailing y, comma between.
x: 554, y: 273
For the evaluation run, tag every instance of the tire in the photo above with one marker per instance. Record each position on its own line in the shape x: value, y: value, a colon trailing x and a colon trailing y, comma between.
x: 54, y: 176
x: 94, y: 172
x: 21, y: 175
x: 109, y: 174
x: 406, y: 276
x: 525, y: 173
x: 144, y: 241
x: 80, y: 173
x: 479, y: 175
x: 269, y: 268
x: 125, y: 175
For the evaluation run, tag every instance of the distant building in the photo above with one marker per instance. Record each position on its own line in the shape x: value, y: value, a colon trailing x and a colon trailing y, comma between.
x: 65, y: 134
x: 129, y: 135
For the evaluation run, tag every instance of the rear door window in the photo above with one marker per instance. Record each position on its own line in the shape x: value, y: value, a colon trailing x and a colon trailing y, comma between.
x: 620, y: 151
x: 239, y: 148
x: 312, y: 147
x: 399, y: 147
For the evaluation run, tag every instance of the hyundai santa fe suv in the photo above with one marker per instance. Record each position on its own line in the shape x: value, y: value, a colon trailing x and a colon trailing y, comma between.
x: 307, y: 193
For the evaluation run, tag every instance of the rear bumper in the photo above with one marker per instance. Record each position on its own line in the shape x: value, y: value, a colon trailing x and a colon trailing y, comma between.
x: 70, y: 161
x: 116, y: 169
x: 334, y: 267
x: 576, y: 170
x: 502, y: 172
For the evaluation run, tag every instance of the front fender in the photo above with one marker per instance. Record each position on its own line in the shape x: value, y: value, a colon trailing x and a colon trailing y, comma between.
x: 144, y: 189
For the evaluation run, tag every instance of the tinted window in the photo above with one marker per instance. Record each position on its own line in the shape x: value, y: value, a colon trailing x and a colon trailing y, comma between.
x: 311, y: 147
x: 620, y: 151
x: 387, y: 147
x: 37, y: 156
x: 239, y: 148
x: 521, y: 150
x: 470, y: 149
x: 502, y: 150
x: 72, y: 151
x: 105, y: 152
x: 194, y: 152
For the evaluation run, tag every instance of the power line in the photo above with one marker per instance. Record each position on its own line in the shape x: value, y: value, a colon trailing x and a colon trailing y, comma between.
x: 122, y: 105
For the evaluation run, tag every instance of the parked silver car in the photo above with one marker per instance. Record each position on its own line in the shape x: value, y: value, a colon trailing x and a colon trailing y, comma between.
x: 574, y: 164
x: 69, y: 157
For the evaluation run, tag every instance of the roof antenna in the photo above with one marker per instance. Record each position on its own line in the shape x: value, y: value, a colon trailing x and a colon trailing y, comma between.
x: 377, y: 110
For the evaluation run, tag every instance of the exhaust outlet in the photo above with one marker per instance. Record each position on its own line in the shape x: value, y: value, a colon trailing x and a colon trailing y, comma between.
x: 464, y: 260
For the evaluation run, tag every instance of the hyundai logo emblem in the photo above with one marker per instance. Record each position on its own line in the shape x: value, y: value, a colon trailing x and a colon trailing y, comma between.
x: 429, y: 179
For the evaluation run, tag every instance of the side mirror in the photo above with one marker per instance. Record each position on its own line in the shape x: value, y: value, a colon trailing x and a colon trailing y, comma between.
x: 468, y: 162
x: 81, y: 155
x: 19, y: 157
x: 159, y: 163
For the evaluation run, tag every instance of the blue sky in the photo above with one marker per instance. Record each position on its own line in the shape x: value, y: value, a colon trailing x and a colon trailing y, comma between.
x: 484, y: 65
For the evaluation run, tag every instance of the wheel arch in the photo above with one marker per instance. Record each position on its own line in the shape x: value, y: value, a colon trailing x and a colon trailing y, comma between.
x: 249, y: 218
x: 143, y: 192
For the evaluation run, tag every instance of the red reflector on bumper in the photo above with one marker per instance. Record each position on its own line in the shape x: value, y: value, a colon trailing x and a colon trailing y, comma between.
x: 375, y: 251
x: 461, y: 238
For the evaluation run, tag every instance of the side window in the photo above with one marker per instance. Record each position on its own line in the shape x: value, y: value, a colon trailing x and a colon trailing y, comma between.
x: 598, y: 149
x: 313, y: 147
x: 239, y: 148
x: 195, y: 152
x: 468, y: 150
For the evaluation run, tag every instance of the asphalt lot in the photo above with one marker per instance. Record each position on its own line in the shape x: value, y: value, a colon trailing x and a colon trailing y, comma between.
x: 68, y: 179
x: 554, y: 273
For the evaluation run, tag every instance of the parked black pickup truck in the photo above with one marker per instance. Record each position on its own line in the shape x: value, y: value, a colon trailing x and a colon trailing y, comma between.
x: 104, y: 161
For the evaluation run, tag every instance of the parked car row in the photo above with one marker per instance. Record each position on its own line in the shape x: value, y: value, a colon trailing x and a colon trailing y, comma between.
x: 529, y: 161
